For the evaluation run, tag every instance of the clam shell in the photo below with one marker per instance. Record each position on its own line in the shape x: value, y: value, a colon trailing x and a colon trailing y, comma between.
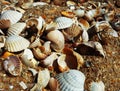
x: 16, y: 43
x: 63, y: 22
x: 13, y: 65
x: 12, y: 15
x: 16, y: 28
x: 4, y: 24
x: 72, y: 80
x: 57, y: 40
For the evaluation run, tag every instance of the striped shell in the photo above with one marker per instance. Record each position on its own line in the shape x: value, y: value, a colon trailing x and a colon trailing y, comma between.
x: 63, y: 22
x: 12, y: 15
x: 72, y: 80
x: 4, y: 24
x: 16, y: 43
x: 13, y: 65
x: 16, y: 28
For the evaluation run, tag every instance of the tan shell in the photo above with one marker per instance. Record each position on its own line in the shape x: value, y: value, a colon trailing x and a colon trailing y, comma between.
x: 13, y: 65
x: 4, y: 23
x: 16, y: 28
x: 16, y: 43
x: 57, y: 40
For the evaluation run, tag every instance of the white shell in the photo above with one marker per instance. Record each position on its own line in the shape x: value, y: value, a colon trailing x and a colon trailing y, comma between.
x: 16, y: 43
x: 97, y: 86
x: 85, y: 36
x: 72, y: 80
x: 16, y: 28
x: 12, y: 15
x: 79, y: 12
x: 63, y: 22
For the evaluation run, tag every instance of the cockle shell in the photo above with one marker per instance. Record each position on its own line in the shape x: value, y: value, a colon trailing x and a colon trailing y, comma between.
x: 72, y: 80
x: 13, y: 16
x: 16, y: 43
x: 13, y: 65
x: 28, y: 58
x: 2, y: 41
x: 4, y: 23
x: 63, y: 22
x: 97, y: 86
x: 57, y: 40
x: 16, y: 28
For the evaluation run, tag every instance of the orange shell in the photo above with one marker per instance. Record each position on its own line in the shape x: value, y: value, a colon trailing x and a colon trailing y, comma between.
x: 7, y: 54
x: 68, y: 14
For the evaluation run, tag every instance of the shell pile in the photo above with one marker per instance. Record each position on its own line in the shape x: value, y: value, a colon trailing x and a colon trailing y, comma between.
x: 53, y: 48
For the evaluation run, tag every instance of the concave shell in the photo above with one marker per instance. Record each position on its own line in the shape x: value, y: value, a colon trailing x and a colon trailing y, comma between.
x: 57, y: 40
x: 16, y: 28
x: 97, y: 86
x: 72, y: 80
x: 12, y: 15
x: 63, y: 22
x: 13, y: 65
x: 16, y: 43
x: 4, y: 23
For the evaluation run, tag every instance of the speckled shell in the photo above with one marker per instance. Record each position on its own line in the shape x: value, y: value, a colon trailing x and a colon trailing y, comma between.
x: 13, y: 16
x: 72, y: 80
x: 16, y: 43
x: 13, y: 65
x: 16, y: 28
x: 4, y: 24
x: 63, y: 22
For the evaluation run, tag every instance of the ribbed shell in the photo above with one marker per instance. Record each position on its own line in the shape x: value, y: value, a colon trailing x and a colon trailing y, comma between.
x: 72, y: 80
x: 63, y: 22
x: 12, y: 15
x: 4, y: 24
x: 16, y: 43
x: 16, y: 28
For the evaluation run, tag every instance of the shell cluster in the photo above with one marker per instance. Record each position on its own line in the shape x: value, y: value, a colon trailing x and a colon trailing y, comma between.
x: 57, y: 45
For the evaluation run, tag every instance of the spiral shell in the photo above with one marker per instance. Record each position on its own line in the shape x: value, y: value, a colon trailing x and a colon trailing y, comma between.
x: 13, y: 16
x: 4, y: 24
x: 16, y: 28
x: 16, y: 43
x: 72, y: 80
x: 13, y: 65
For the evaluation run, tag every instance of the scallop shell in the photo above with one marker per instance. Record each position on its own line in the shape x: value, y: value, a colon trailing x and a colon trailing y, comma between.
x: 57, y: 40
x: 63, y: 22
x: 13, y: 65
x: 4, y: 24
x: 16, y: 28
x: 72, y: 80
x: 16, y: 43
x: 12, y: 15
x: 97, y: 86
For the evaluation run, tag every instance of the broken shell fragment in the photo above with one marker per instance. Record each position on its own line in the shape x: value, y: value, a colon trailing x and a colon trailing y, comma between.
x: 97, y: 86
x: 72, y: 80
x: 28, y: 58
x: 57, y: 40
x: 13, y: 16
x: 33, y: 71
x: 4, y: 23
x: 69, y: 14
x: 16, y: 43
x: 13, y: 65
x: 2, y: 41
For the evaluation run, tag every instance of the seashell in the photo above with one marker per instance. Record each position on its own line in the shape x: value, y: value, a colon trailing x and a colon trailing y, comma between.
x: 73, y: 59
x: 11, y: 15
x: 79, y: 12
x: 69, y: 14
x: 110, y: 15
x: 61, y: 63
x: 28, y: 58
x: 1, y: 32
x: 46, y: 45
x: 97, y: 86
x: 70, y: 3
x: 13, y: 65
x: 2, y: 41
x: 7, y: 54
x: 72, y: 32
x: 85, y: 36
x: 16, y: 28
x: 63, y: 22
x: 33, y: 71
x: 84, y: 24
x: 16, y: 43
x: 39, y: 3
x: 57, y: 40
x: 48, y: 61
x: 23, y: 85
x: 72, y: 80
x: 4, y: 23
x: 27, y: 4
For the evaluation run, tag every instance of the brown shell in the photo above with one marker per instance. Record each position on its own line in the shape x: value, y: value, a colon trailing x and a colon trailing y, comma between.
x: 4, y: 24
x: 13, y: 65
